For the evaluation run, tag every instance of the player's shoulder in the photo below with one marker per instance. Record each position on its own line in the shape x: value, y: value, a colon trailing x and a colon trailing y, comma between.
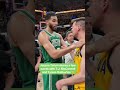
x: 16, y: 19
x: 43, y: 37
x: 42, y: 34
x: 17, y: 16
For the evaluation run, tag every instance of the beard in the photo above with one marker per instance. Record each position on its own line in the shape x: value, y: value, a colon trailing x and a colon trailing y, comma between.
x: 54, y: 28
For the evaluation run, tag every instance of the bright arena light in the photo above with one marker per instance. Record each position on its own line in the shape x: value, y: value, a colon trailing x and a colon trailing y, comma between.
x: 70, y: 11
x: 62, y: 12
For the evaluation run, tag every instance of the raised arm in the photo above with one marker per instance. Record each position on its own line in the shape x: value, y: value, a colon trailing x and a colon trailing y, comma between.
x: 44, y: 40
x: 106, y: 43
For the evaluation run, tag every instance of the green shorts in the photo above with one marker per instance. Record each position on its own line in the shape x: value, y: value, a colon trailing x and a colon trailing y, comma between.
x: 49, y: 81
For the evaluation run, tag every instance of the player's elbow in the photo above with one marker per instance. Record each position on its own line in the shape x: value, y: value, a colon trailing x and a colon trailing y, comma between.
x: 54, y: 55
x: 81, y: 78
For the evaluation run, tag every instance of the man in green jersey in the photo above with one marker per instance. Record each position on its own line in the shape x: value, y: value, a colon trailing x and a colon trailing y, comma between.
x: 20, y: 30
x: 52, y: 45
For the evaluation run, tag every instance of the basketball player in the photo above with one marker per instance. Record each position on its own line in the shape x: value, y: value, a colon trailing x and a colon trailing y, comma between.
x: 51, y: 46
x: 107, y: 74
x: 21, y: 33
x: 78, y: 79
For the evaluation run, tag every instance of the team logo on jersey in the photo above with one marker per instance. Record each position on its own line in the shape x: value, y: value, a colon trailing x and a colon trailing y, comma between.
x: 56, y: 42
x: 77, y: 53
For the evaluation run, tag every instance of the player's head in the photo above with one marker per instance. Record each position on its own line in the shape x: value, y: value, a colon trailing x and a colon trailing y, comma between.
x: 78, y: 27
x: 69, y: 36
x: 51, y: 20
x: 96, y: 10
x: 99, y: 8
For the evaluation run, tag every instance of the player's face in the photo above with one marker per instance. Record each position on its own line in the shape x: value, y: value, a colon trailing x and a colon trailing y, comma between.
x: 95, y: 10
x: 75, y: 29
x: 70, y: 37
x: 53, y: 22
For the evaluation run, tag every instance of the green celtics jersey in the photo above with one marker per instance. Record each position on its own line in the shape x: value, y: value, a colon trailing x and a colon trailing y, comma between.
x: 54, y: 38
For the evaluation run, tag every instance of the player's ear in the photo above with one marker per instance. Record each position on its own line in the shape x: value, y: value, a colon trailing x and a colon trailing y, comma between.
x: 46, y: 22
x: 79, y: 28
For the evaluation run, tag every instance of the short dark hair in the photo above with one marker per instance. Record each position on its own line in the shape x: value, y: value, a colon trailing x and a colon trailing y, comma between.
x: 49, y: 14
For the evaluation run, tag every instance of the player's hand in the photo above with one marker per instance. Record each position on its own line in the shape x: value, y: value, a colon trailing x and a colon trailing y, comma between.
x: 80, y: 43
x: 59, y: 85
x: 36, y: 67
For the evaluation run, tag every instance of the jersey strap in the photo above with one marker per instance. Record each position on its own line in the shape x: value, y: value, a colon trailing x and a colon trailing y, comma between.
x: 29, y: 15
x: 48, y: 33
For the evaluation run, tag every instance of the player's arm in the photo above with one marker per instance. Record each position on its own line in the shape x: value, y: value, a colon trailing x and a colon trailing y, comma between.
x: 44, y: 40
x: 63, y: 45
x: 21, y: 32
x: 38, y: 63
x: 115, y: 65
x: 39, y: 59
x: 104, y: 44
x: 76, y: 79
